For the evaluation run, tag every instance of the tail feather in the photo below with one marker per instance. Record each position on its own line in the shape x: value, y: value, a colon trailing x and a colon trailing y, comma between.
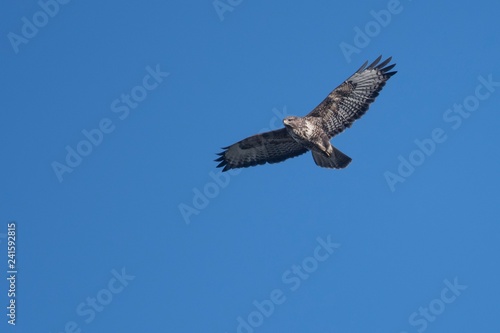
x: 338, y: 160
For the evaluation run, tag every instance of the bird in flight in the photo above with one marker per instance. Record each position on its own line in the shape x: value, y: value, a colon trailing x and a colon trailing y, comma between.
x: 346, y: 103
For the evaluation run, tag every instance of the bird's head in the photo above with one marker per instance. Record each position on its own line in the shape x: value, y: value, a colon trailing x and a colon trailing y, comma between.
x: 290, y: 121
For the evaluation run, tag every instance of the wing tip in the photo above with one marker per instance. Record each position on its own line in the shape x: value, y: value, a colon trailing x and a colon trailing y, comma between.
x: 383, y: 66
x: 374, y: 63
x: 362, y: 68
x: 223, y: 164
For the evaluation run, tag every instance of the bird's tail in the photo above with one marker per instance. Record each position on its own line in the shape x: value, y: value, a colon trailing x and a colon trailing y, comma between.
x: 338, y: 160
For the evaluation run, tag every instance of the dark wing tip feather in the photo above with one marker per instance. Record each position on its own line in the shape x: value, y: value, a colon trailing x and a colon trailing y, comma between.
x: 222, y: 160
x: 388, y: 75
x: 383, y: 63
x: 222, y: 163
x: 362, y: 68
x: 374, y: 63
x: 388, y: 68
x: 382, y: 66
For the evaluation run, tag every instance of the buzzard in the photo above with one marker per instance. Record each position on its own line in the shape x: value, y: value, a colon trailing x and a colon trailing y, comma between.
x: 338, y: 111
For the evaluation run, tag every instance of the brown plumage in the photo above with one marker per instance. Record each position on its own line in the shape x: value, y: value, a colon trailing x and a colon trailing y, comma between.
x: 346, y: 103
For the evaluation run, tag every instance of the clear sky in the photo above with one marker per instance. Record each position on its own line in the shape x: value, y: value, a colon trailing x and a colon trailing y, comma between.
x: 112, y: 114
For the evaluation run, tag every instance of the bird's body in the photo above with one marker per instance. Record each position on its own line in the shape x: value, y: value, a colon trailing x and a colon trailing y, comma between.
x: 338, y: 111
x: 303, y: 131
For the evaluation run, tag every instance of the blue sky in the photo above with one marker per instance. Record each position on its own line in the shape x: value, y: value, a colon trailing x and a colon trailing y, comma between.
x: 111, y: 117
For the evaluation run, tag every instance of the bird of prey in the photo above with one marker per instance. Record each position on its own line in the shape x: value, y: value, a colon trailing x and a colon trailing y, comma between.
x: 346, y: 103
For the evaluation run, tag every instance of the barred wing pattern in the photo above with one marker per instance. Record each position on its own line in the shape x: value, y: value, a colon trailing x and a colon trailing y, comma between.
x: 270, y: 147
x: 351, y: 99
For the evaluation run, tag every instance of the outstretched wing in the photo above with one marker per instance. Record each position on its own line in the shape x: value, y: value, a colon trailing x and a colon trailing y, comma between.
x: 270, y: 147
x: 351, y: 99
